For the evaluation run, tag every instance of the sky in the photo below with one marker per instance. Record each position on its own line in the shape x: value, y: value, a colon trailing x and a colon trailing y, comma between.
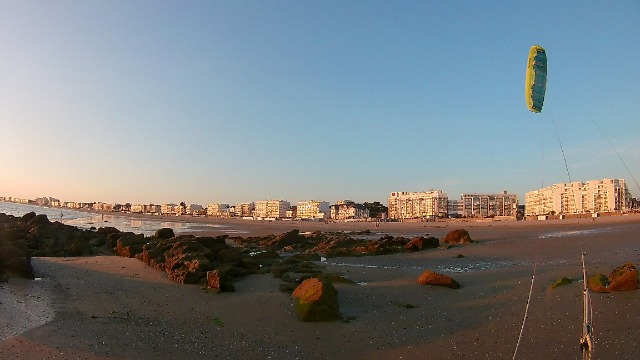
x: 240, y: 101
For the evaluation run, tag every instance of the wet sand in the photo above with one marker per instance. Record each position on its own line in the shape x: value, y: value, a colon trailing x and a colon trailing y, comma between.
x: 116, y: 308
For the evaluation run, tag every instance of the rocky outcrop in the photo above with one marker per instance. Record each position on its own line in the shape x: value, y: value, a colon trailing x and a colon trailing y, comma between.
x: 316, y: 301
x: 429, y: 277
x: 459, y: 236
x: 624, y: 277
x: 335, y: 244
x: 34, y: 235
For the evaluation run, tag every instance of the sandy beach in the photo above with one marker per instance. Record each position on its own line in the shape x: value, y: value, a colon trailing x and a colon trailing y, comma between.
x: 118, y: 308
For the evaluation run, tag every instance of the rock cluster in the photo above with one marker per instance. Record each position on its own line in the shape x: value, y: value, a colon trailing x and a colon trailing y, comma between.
x: 34, y: 235
x: 335, y: 244
x: 624, y: 277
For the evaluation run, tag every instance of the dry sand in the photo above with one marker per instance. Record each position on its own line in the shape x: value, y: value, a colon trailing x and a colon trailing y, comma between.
x: 117, y: 308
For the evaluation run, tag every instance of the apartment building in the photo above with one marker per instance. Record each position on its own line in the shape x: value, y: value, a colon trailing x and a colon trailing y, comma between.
x: 244, y: 209
x: 312, y: 209
x: 417, y: 205
x: 276, y: 209
x: 593, y: 196
x: 348, y: 210
x: 218, y: 210
x: 484, y: 205
x: 169, y: 209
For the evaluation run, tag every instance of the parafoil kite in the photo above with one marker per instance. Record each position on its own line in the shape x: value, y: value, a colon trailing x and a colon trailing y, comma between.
x: 536, y: 83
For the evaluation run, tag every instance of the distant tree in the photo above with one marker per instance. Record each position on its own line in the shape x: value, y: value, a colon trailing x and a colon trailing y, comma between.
x: 183, y: 204
x: 376, y: 209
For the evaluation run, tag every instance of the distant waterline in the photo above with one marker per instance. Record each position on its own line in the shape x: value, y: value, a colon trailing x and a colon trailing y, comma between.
x: 88, y: 220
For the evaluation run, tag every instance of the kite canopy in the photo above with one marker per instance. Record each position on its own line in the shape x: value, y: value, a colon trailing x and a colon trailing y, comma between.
x: 536, y: 82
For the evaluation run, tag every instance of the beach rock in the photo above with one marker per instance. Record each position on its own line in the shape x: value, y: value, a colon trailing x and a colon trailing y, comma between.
x: 289, y: 238
x: 459, y: 236
x: 130, y: 245
x: 15, y: 259
x: 164, y: 233
x: 316, y: 301
x: 429, y: 277
x: 28, y: 217
x: 39, y: 220
x: 420, y: 242
x: 598, y: 283
x: 186, y: 262
x: 624, y: 277
x: 220, y: 280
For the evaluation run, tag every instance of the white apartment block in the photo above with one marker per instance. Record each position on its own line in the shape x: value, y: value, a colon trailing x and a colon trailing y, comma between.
x: 271, y: 209
x: 485, y: 205
x: 347, y: 210
x: 169, y: 209
x: 217, y: 210
x: 417, y: 205
x: 593, y: 196
x: 312, y: 209
x: 137, y: 208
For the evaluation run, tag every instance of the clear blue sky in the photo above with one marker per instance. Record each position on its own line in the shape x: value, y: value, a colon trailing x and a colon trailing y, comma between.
x: 237, y: 101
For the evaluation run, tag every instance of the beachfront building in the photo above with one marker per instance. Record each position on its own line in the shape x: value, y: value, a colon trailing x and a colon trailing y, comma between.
x: 218, y: 210
x: 194, y: 210
x: 348, y: 210
x: 593, y: 196
x: 275, y: 209
x: 169, y: 209
x: 137, y: 208
x: 244, y: 209
x: 406, y: 205
x: 312, y: 209
x: 292, y: 213
x: 484, y: 205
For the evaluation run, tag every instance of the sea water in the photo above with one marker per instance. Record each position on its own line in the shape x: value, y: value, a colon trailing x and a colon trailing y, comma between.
x: 88, y: 220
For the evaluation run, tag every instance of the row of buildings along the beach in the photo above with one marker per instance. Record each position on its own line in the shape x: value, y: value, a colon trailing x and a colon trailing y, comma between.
x: 590, y: 198
x: 434, y: 204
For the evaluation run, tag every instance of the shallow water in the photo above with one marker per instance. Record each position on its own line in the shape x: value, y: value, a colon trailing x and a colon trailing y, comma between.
x: 84, y: 220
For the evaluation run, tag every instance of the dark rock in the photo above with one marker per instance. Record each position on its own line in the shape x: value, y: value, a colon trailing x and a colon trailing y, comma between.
x: 130, y: 245
x: 28, y: 217
x: 39, y: 220
x: 459, y: 236
x: 287, y: 239
x: 429, y: 277
x: 316, y: 301
x: 419, y: 243
x: 164, y: 233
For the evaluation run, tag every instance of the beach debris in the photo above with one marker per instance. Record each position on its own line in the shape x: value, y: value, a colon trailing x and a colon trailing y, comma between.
x: 459, y: 236
x: 429, y: 277
x: 316, y: 301
x: 624, y: 277
x: 561, y: 282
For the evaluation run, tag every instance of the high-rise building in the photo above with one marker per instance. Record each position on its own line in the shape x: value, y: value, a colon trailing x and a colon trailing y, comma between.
x: 417, y: 205
x: 607, y: 195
